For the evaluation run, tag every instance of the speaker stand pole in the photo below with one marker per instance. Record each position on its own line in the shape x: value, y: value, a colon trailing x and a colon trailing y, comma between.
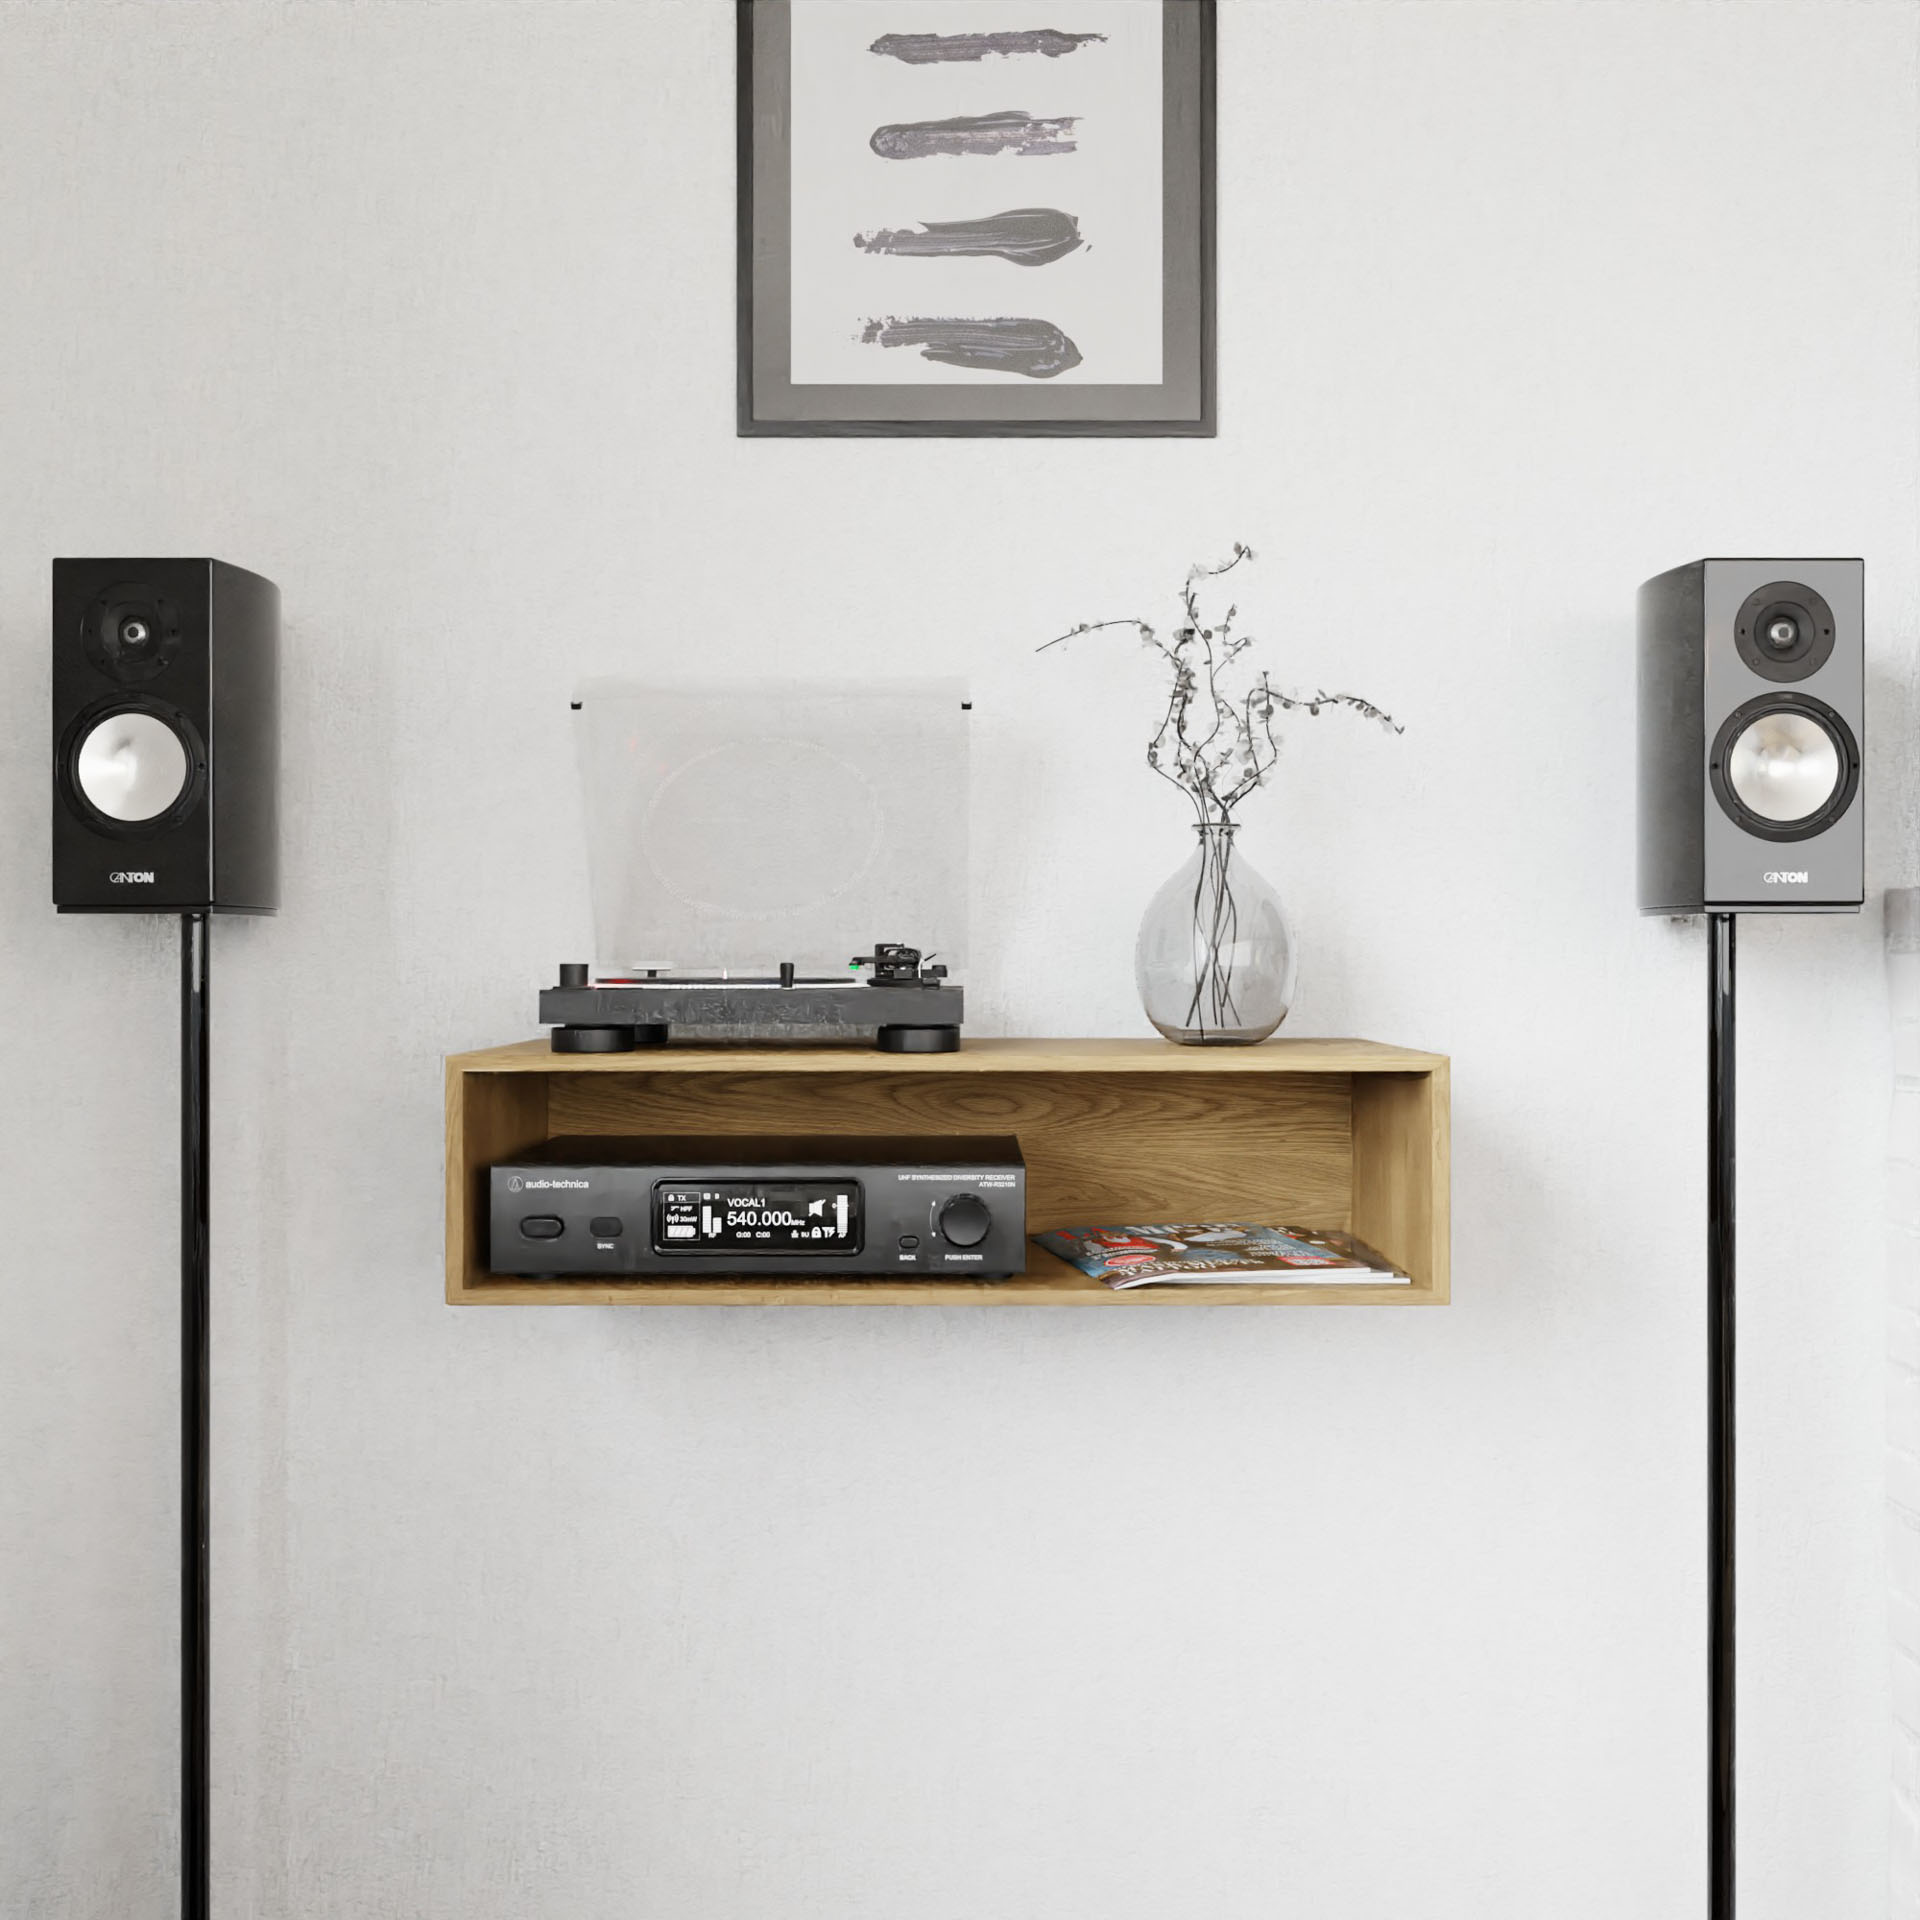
x: 1720, y: 1380
x: 195, y: 1434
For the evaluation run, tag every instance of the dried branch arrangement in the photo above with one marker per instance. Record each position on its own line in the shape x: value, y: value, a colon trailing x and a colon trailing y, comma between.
x: 1216, y: 740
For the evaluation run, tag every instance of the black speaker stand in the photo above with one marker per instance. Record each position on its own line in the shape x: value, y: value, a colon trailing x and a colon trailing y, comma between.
x: 1720, y: 1513
x: 195, y: 1427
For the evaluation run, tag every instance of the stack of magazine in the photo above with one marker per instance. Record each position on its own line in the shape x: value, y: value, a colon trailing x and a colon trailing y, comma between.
x: 1214, y: 1253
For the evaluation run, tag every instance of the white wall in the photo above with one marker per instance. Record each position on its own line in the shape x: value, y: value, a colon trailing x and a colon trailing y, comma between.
x: 426, y: 311
x: 1903, y: 1391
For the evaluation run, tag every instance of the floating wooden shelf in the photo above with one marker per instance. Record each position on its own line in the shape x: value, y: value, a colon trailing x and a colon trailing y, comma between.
x: 1317, y: 1133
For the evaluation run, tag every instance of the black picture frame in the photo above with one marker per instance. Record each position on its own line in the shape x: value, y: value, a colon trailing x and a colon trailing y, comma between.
x: 1183, y: 404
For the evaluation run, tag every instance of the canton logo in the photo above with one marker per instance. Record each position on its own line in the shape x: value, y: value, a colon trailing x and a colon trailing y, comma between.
x: 1784, y: 879
x: 131, y: 879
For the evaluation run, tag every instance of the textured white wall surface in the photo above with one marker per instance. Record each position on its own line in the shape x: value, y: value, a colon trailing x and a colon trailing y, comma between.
x: 426, y: 311
x: 1903, y: 1391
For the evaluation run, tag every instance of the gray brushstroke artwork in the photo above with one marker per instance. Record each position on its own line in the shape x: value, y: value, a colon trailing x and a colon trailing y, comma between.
x: 982, y: 133
x: 923, y: 49
x: 1036, y: 349
x: 1028, y: 236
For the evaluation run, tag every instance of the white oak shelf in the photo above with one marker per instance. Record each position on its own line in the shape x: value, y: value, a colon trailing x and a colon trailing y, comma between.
x: 1346, y: 1134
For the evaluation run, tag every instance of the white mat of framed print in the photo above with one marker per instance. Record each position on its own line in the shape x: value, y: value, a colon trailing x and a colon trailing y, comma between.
x: 954, y: 223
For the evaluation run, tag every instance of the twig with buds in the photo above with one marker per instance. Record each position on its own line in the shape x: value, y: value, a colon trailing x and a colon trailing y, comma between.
x: 1216, y: 745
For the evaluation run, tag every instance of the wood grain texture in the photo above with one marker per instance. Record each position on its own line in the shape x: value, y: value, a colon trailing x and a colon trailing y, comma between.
x: 1327, y: 1133
x: 1046, y: 1283
x: 490, y: 1116
x: 1402, y: 1171
x: 975, y: 1056
x: 1108, y: 1147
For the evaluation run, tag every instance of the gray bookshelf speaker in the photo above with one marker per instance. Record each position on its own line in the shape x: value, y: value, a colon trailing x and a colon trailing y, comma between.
x: 1752, y: 737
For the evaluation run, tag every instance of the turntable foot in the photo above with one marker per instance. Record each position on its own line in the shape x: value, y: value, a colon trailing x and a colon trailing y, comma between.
x: 607, y: 1039
x: 919, y: 1040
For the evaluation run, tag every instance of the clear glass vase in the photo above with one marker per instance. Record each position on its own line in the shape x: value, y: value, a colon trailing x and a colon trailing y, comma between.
x: 1215, y: 960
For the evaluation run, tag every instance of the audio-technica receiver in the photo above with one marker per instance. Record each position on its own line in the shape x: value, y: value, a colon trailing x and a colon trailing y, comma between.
x: 942, y: 1208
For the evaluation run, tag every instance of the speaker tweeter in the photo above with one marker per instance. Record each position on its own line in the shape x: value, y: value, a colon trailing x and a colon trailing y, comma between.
x: 131, y: 632
x: 1784, y: 631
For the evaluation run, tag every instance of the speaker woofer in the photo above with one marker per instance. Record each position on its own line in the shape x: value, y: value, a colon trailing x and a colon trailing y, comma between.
x: 132, y: 768
x: 1785, y: 766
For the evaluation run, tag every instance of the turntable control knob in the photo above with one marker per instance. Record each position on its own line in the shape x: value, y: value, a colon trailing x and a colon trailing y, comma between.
x: 573, y: 973
x: 965, y: 1220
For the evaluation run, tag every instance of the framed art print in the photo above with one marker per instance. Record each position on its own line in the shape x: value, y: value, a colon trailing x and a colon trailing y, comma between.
x: 952, y: 222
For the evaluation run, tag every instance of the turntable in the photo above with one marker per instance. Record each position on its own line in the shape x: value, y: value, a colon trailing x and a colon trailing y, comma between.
x: 742, y: 828
x: 890, y: 998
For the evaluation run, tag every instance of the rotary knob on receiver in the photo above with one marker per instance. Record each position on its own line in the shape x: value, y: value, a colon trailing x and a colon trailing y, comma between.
x: 965, y: 1220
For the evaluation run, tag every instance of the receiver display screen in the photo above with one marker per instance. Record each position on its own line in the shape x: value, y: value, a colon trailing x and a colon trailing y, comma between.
x: 756, y: 1216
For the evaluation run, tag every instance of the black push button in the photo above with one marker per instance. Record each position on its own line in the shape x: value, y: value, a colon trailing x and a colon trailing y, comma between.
x: 543, y: 1226
x: 908, y: 1241
x: 606, y: 1226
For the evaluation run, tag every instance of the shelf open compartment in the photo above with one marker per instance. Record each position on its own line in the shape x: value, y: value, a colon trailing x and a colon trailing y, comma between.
x: 1343, y: 1134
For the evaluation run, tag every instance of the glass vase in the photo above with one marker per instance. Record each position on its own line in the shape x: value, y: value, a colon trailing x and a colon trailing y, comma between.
x: 1215, y: 959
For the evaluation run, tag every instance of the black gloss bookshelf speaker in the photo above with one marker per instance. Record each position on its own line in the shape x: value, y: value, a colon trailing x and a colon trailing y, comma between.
x: 166, y: 737
x: 1752, y: 732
